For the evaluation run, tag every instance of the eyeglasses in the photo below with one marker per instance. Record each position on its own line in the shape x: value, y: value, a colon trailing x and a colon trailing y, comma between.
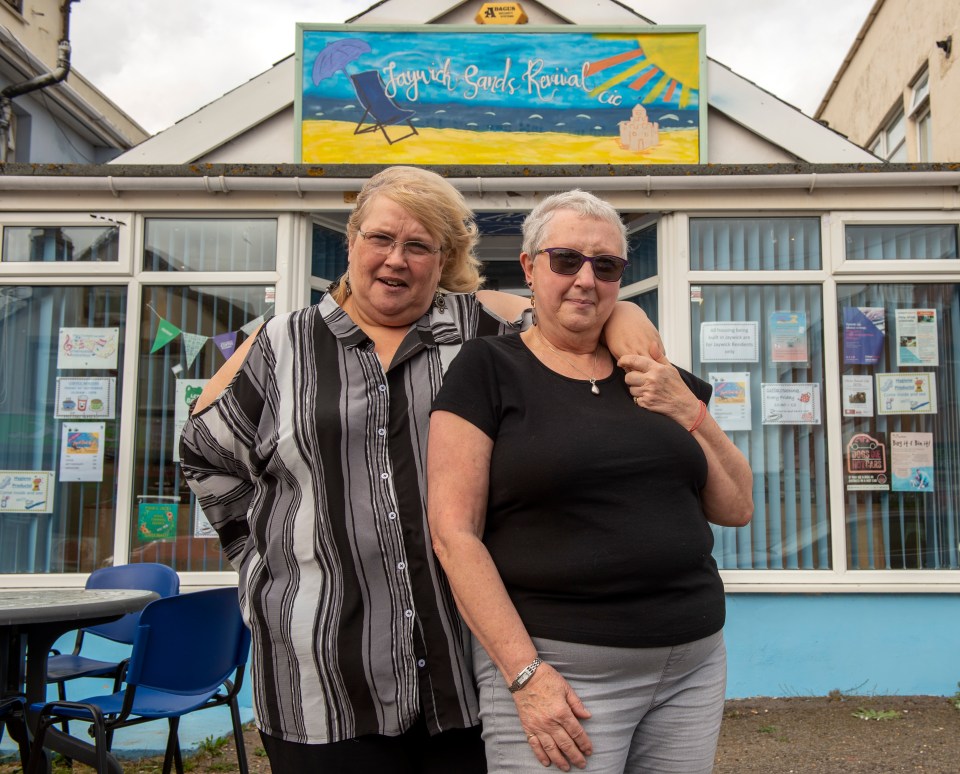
x: 566, y: 260
x: 381, y: 243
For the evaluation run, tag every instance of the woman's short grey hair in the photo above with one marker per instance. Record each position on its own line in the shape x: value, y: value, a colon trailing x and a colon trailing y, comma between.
x: 584, y: 203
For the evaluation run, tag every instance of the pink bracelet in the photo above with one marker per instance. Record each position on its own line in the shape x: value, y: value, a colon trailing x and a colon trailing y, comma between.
x: 700, y: 417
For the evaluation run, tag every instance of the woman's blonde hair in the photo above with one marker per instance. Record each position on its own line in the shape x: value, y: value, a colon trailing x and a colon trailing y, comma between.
x: 439, y: 208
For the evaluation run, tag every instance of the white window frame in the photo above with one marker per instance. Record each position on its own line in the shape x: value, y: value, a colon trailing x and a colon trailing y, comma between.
x: 919, y: 115
x: 122, y: 267
x: 880, y: 145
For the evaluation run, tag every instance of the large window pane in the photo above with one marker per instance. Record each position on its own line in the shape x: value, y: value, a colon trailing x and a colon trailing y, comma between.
x: 754, y: 244
x: 60, y: 243
x: 913, y: 241
x: 328, y: 256
x: 186, y: 333
x: 178, y: 244
x: 61, y: 356
x: 642, y: 254
x: 762, y: 348
x: 901, y: 430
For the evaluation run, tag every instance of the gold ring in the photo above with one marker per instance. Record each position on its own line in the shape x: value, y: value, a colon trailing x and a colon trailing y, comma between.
x: 636, y: 399
x: 531, y: 736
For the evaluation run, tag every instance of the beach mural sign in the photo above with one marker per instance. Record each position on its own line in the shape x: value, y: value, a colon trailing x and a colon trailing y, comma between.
x: 463, y: 95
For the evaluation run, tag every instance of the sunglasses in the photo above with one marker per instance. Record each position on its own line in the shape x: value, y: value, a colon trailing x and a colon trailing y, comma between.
x: 566, y: 260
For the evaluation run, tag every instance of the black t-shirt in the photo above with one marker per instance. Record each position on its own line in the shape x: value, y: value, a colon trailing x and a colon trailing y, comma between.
x: 594, y: 518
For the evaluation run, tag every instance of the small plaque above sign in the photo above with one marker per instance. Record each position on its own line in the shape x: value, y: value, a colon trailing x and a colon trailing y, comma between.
x: 501, y: 13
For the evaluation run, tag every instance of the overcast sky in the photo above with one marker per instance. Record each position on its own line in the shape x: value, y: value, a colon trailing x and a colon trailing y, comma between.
x: 161, y: 60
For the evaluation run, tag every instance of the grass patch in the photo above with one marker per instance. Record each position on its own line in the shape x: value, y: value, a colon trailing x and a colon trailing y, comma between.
x: 872, y: 714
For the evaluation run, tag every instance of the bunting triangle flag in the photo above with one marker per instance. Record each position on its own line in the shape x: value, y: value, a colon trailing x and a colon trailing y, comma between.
x: 192, y: 344
x: 251, y: 326
x: 166, y: 332
x: 226, y: 343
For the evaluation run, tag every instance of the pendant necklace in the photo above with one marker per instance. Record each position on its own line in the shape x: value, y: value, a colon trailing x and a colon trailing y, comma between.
x: 591, y: 377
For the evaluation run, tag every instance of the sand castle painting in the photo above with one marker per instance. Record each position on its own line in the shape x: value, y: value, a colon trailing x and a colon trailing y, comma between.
x: 455, y: 95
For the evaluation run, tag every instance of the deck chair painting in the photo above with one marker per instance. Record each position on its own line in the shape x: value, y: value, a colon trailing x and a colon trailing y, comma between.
x: 379, y: 107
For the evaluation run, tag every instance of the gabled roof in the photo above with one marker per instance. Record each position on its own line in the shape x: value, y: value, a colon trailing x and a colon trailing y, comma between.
x: 250, y: 104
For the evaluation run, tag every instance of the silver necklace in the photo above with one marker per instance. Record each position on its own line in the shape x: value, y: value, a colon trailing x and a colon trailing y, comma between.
x: 593, y: 379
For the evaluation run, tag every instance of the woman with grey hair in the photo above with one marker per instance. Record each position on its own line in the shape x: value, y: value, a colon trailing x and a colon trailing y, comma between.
x: 570, y: 510
x: 307, y: 453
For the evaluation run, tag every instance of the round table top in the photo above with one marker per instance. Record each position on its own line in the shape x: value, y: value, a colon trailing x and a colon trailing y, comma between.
x: 26, y: 606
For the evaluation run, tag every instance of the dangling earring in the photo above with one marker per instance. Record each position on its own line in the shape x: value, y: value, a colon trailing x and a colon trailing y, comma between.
x: 533, y: 305
x: 439, y: 301
x: 346, y: 284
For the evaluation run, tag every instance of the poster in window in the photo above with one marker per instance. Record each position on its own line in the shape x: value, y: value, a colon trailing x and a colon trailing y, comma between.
x: 88, y: 348
x: 157, y: 521
x: 911, y: 462
x: 790, y: 404
x: 788, y: 337
x: 857, y: 395
x: 26, y: 491
x: 187, y: 391
x: 917, y: 337
x: 864, y: 331
x: 906, y: 393
x: 729, y: 342
x: 730, y: 405
x: 81, y: 451
x: 867, y: 464
x: 85, y: 397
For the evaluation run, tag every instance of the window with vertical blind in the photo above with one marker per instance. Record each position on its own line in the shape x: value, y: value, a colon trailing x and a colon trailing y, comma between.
x: 899, y: 380
x: 768, y: 396
x: 61, y: 357
x: 754, y: 244
x: 901, y: 241
x: 210, y: 244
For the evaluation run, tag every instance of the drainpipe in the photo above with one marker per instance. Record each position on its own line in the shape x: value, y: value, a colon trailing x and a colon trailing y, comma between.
x: 40, y: 81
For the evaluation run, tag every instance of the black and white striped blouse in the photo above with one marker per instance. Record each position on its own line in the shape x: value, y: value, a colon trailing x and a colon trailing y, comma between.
x: 311, y: 466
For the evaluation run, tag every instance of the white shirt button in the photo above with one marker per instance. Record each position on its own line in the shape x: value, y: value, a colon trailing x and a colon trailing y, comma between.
x: 383, y: 388
x: 381, y: 432
x: 421, y: 663
x: 401, y: 565
x: 408, y: 613
x: 384, y: 476
x: 391, y: 515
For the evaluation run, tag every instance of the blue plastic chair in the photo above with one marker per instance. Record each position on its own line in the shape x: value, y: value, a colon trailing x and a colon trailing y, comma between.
x: 379, y: 107
x: 69, y: 666
x: 189, y: 654
x: 13, y: 716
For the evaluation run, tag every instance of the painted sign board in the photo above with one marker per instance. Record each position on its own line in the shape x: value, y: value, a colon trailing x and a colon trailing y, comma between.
x: 444, y: 94
x: 500, y: 13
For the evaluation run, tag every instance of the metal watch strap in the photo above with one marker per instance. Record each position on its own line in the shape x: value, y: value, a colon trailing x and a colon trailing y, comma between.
x: 524, y: 675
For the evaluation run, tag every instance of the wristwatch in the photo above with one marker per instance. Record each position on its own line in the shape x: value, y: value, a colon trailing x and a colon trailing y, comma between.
x: 525, y: 675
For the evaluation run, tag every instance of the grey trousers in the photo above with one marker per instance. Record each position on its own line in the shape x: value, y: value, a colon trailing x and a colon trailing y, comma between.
x: 655, y: 710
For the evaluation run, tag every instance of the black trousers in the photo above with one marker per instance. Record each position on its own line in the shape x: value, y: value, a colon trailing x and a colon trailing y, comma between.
x: 414, y: 752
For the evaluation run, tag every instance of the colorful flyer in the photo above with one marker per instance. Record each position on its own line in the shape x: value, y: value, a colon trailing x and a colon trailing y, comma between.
x: 26, y: 491
x: 157, y: 521
x: 201, y: 525
x: 864, y: 332
x: 730, y: 404
x: 88, y: 348
x: 917, y: 337
x: 857, y: 395
x: 788, y: 337
x: 790, y: 404
x: 86, y: 397
x: 911, y: 462
x: 188, y: 390
x: 81, y: 451
x: 729, y: 342
x: 906, y: 393
x: 867, y: 464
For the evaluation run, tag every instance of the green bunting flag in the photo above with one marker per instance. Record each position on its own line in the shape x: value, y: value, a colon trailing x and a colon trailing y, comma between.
x: 166, y: 332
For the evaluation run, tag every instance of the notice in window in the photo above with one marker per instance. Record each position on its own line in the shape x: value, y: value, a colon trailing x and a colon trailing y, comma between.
x: 201, y: 525
x: 730, y: 405
x: 88, y: 348
x: 917, y: 337
x: 157, y: 521
x: 906, y: 393
x: 25, y: 491
x: 864, y: 331
x: 911, y: 462
x: 187, y: 391
x: 729, y: 342
x: 85, y: 398
x: 788, y: 337
x: 857, y: 395
x: 81, y: 451
x: 790, y: 404
x: 867, y: 464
